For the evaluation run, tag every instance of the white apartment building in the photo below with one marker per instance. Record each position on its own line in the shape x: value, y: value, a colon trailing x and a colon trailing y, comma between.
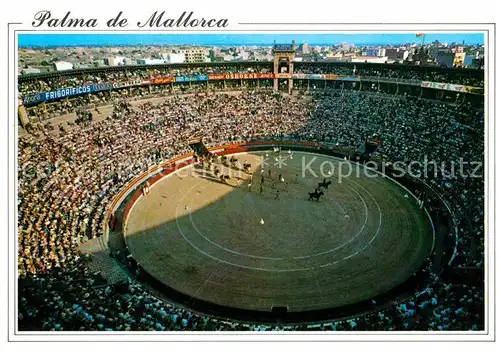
x: 195, y: 55
x: 63, y: 65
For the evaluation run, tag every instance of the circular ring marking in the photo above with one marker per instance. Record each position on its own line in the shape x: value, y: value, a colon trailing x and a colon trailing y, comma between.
x: 280, y: 258
x: 282, y: 270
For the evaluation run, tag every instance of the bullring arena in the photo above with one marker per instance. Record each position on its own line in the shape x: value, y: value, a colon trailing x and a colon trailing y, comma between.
x: 126, y: 224
x: 233, y: 245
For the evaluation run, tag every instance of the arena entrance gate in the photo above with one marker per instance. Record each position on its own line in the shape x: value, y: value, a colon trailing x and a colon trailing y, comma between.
x: 196, y: 143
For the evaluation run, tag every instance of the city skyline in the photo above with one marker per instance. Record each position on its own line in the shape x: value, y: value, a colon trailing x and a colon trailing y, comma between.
x: 75, y: 40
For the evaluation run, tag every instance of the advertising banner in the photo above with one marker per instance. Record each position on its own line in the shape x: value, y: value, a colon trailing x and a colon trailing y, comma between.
x: 126, y: 83
x: 283, y: 76
x: 217, y: 76
x: 265, y: 75
x: 191, y: 78
x: 348, y: 78
x: 450, y: 87
x: 103, y: 86
x: 240, y: 76
x: 331, y: 77
x: 162, y: 80
x: 476, y: 90
x: 61, y: 93
x: 459, y: 88
x: 311, y: 76
x: 316, y: 76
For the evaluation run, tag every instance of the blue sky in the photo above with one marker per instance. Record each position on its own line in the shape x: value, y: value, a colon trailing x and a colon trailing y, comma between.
x: 28, y: 40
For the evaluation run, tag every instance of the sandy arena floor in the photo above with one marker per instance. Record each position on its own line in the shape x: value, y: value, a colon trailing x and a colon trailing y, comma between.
x: 204, y: 238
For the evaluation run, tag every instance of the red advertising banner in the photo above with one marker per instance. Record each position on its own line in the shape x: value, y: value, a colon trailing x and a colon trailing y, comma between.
x: 240, y: 76
x: 162, y: 80
x: 265, y: 76
x: 217, y: 76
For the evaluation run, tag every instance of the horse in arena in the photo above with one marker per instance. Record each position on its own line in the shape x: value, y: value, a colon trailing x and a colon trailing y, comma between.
x: 246, y: 166
x: 324, y: 184
x: 315, y: 195
x: 216, y: 171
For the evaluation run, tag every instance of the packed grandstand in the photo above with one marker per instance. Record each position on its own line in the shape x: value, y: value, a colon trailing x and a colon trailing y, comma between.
x: 70, y: 172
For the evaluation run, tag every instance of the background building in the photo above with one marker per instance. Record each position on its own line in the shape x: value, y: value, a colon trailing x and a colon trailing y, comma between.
x: 445, y: 59
x: 114, y: 61
x: 195, y: 55
x: 151, y: 61
x: 30, y: 71
x: 62, y: 65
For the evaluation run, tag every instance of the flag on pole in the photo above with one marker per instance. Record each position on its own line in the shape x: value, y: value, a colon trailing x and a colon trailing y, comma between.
x: 420, y: 34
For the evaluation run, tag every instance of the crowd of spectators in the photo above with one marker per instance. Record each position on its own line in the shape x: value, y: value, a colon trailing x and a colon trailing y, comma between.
x: 46, y: 111
x: 66, y: 183
x: 392, y: 73
x: 130, y: 74
x: 75, y: 79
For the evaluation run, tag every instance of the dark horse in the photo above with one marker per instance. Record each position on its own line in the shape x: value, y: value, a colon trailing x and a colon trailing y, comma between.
x: 324, y: 184
x: 246, y: 166
x: 315, y: 195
